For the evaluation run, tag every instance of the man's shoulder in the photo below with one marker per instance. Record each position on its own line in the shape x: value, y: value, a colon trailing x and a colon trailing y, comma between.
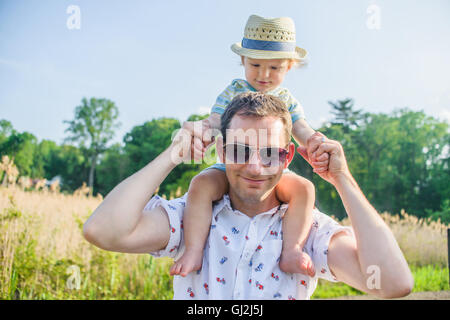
x: 323, y: 217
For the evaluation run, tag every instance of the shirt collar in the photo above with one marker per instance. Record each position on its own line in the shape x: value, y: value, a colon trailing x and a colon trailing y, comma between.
x: 272, y: 92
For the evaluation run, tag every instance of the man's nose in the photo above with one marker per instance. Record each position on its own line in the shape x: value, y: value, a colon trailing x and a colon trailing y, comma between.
x: 254, y: 165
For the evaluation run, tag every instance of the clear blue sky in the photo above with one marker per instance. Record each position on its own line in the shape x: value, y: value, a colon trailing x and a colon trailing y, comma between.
x: 172, y: 58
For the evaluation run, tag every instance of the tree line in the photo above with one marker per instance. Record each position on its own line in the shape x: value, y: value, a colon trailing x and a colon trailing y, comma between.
x: 400, y: 159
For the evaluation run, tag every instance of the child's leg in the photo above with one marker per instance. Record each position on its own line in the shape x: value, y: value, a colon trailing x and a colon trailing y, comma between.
x: 208, y: 186
x: 297, y: 221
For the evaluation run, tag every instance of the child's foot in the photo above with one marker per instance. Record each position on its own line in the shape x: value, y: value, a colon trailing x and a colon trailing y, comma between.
x: 294, y: 260
x: 190, y: 261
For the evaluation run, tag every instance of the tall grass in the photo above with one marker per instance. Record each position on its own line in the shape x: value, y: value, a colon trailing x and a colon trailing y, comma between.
x: 422, y: 241
x: 42, y: 249
x: 426, y: 278
x: 41, y: 240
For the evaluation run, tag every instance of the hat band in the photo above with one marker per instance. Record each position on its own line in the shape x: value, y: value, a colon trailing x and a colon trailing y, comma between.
x: 268, y: 45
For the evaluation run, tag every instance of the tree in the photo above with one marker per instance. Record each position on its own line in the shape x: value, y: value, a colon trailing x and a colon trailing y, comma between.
x: 68, y: 162
x: 21, y: 148
x: 41, y: 161
x: 93, y: 127
x: 6, y: 129
x: 400, y: 161
x: 145, y: 142
x: 112, y: 169
x: 345, y: 115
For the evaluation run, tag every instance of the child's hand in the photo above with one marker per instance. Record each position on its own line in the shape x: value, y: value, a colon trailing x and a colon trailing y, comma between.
x: 319, y: 164
x: 197, y: 149
x: 202, y: 137
x: 208, y: 132
x: 200, y: 129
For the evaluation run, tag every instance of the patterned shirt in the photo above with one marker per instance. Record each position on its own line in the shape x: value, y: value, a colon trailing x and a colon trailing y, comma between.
x: 239, y: 86
x: 240, y: 259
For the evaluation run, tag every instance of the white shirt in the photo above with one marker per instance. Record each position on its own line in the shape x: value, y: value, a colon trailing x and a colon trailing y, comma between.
x: 241, y: 256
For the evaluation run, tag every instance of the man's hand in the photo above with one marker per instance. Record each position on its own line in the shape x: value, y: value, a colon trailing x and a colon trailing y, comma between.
x: 319, y: 163
x: 337, y: 162
x: 192, y: 141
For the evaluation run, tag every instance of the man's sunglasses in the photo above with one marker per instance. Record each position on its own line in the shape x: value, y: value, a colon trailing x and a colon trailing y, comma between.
x: 240, y: 153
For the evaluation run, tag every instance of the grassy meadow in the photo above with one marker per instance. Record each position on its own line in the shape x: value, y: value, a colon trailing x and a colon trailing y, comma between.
x: 44, y: 256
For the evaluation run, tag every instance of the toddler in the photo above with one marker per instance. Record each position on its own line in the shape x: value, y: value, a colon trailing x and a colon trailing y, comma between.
x: 268, y: 51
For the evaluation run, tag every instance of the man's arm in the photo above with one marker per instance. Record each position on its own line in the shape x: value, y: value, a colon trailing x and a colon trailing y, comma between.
x: 372, y: 261
x: 373, y: 252
x: 120, y: 224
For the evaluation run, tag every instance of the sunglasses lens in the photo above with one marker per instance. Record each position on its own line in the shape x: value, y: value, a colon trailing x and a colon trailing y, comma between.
x: 272, y: 156
x: 237, y: 153
x: 240, y: 154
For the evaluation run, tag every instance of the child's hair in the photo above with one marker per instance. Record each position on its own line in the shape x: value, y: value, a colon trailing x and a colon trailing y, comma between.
x: 299, y: 64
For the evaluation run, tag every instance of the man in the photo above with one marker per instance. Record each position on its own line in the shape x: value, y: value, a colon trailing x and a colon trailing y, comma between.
x: 242, y: 252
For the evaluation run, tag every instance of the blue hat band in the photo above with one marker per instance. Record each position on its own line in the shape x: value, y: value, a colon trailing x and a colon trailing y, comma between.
x: 268, y: 45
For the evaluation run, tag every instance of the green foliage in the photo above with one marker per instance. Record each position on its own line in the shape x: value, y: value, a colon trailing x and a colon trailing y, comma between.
x: 326, y: 289
x: 430, y: 278
x: 70, y: 163
x: 345, y: 115
x: 93, y: 127
x: 443, y: 214
x: 11, y: 212
x: 144, y: 143
x: 114, y: 167
x: 42, y: 158
x: 93, y: 124
x: 400, y: 162
x: 21, y: 147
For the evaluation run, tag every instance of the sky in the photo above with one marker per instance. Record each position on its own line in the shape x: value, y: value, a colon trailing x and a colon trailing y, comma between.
x: 172, y: 58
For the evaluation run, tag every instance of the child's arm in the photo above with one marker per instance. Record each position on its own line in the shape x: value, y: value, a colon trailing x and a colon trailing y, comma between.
x: 204, y: 132
x: 204, y: 129
x: 301, y: 131
x: 214, y: 120
x: 300, y: 194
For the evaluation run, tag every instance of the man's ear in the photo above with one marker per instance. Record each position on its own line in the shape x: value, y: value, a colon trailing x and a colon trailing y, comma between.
x: 219, y: 148
x: 290, y: 157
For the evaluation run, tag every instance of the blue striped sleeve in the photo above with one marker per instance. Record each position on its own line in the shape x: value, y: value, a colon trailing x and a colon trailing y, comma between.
x: 294, y: 107
x: 224, y: 99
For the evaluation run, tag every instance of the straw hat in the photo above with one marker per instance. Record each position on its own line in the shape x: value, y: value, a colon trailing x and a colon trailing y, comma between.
x: 266, y: 38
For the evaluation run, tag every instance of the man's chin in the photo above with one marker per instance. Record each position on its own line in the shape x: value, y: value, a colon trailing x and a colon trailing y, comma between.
x: 252, y: 195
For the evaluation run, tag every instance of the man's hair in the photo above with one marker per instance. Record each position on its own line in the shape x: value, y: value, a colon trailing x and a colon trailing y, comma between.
x: 256, y: 104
